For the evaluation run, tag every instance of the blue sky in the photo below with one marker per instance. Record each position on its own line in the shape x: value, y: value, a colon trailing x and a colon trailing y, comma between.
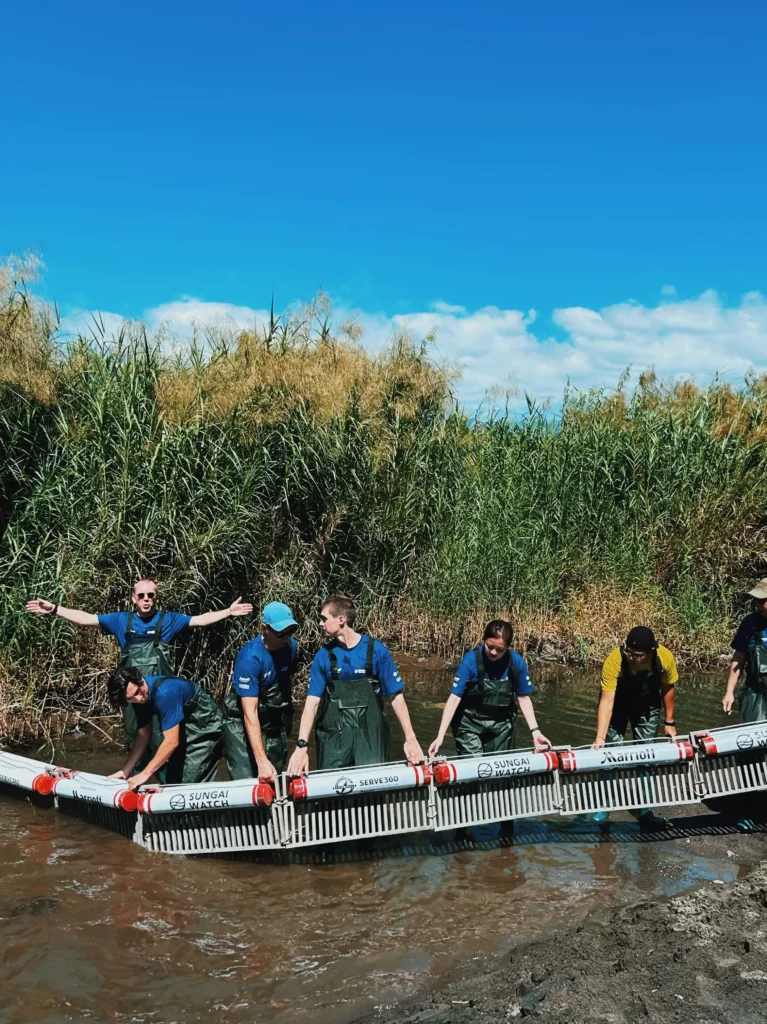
x: 547, y: 156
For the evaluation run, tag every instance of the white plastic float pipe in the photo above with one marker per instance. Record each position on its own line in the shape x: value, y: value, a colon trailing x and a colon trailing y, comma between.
x: 359, y: 780
x: 31, y: 775
x: 494, y: 766
x: 95, y: 789
x: 732, y: 740
x: 642, y: 755
x: 207, y: 796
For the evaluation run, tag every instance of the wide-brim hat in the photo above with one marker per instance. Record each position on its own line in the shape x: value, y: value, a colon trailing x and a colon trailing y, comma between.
x: 760, y: 590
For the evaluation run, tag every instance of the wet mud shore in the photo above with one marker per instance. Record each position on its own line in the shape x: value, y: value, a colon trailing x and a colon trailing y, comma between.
x: 697, y: 958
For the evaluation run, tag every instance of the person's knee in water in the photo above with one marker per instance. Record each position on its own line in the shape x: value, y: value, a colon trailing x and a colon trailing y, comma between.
x: 349, y: 680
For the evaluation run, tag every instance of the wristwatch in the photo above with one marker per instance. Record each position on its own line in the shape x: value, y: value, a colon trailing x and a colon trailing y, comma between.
x: 301, y: 744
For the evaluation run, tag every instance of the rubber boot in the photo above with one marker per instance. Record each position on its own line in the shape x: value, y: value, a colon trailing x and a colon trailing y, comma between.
x: 648, y: 821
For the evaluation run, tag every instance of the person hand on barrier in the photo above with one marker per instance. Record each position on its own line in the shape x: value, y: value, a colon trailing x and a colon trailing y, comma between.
x: 540, y: 741
x: 669, y: 729
x: 299, y: 763
x: 117, y: 775
x: 435, y: 745
x: 413, y: 751
x: 597, y: 744
x: 137, y: 780
x: 266, y: 771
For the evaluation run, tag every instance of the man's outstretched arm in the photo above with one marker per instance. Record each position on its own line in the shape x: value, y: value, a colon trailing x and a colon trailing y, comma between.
x: 237, y: 607
x: 80, y: 618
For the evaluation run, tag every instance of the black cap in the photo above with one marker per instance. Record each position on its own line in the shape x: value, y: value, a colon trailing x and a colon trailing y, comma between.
x: 641, y: 638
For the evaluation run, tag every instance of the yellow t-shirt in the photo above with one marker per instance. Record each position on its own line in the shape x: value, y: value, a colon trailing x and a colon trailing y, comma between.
x: 613, y: 665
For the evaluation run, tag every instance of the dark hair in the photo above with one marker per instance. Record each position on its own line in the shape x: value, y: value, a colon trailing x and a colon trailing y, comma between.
x: 499, y: 629
x: 339, y: 604
x: 118, y: 684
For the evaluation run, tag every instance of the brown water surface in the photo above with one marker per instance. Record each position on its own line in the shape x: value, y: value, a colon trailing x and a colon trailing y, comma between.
x: 94, y: 928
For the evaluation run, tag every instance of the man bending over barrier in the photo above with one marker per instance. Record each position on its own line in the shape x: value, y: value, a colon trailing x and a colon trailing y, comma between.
x: 349, y: 679
x: 258, y: 711
x: 638, y: 679
x: 190, y: 721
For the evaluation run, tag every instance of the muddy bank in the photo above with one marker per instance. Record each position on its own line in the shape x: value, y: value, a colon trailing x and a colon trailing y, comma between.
x: 699, y: 957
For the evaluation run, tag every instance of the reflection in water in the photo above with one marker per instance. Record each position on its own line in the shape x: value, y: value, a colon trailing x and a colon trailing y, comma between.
x: 93, y: 927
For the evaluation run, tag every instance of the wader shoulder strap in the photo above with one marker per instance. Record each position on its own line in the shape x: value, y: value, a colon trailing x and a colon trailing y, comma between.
x: 153, y: 688
x: 480, y: 665
x: 625, y: 671
x: 333, y: 663
x: 129, y: 625
x: 369, y: 658
x: 657, y: 667
x: 158, y: 634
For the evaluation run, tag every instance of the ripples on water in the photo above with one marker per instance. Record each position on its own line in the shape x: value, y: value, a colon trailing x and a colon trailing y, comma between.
x: 94, y: 928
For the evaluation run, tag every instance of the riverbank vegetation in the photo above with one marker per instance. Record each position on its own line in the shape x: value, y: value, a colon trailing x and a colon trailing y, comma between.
x: 288, y: 461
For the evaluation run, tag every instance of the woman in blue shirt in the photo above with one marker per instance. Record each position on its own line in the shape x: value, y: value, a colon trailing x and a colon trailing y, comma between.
x: 491, y: 680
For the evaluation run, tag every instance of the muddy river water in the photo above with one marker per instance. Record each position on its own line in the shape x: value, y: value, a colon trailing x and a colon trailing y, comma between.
x: 94, y: 928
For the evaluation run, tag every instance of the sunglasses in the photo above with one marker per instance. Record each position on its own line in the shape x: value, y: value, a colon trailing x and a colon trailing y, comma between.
x: 150, y: 594
x: 636, y: 654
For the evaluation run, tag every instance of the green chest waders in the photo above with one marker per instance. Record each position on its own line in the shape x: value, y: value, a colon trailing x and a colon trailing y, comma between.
x: 275, y: 713
x: 152, y: 658
x: 484, y: 720
x: 351, y: 728
x: 199, y: 751
x: 752, y: 698
x: 638, y: 700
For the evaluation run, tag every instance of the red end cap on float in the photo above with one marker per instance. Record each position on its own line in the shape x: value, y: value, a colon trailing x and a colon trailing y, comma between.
x: 263, y: 794
x: 43, y: 784
x: 127, y: 800
x: 443, y: 773
x: 298, y: 790
x: 707, y: 744
x: 552, y: 760
x: 686, y: 751
x: 142, y: 803
x: 567, y: 760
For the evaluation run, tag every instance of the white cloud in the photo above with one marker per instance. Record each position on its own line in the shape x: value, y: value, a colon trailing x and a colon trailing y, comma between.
x: 696, y: 337
x: 184, y: 315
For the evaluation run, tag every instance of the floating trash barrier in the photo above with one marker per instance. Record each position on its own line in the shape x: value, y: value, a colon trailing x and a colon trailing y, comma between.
x: 397, y: 799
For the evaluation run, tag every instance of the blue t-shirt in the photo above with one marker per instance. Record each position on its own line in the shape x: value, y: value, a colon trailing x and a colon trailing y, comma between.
x: 351, y: 665
x: 466, y: 675
x: 255, y: 666
x: 747, y: 631
x: 167, y: 703
x: 116, y: 623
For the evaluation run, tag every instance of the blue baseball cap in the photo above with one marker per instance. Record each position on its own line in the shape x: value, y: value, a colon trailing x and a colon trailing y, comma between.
x: 278, y: 616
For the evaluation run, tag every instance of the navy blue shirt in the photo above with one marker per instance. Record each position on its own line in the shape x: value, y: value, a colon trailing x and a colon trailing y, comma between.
x: 466, y: 675
x: 747, y: 631
x: 254, y: 665
x: 116, y: 623
x: 351, y: 665
x: 168, y: 702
